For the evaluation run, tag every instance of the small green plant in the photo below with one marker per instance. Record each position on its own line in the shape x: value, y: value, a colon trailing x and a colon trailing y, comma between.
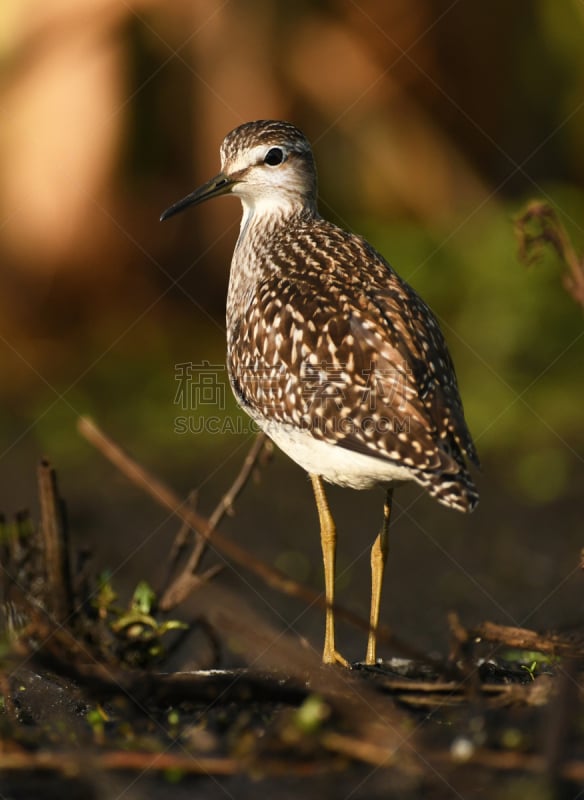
x: 96, y: 718
x: 137, y: 630
x: 311, y: 714
x: 530, y: 669
x: 532, y: 661
x: 105, y: 596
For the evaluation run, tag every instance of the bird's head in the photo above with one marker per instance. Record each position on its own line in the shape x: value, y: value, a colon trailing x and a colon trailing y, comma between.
x: 267, y: 164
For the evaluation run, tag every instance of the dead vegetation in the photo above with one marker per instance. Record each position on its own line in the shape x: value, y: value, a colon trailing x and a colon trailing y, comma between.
x: 84, y: 693
x: 538, y: 227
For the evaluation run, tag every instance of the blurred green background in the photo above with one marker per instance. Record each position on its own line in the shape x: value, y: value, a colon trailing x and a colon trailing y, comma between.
x: 433, y: 124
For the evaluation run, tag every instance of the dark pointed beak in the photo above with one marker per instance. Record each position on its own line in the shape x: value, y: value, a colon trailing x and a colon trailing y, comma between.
x: 218, y: 185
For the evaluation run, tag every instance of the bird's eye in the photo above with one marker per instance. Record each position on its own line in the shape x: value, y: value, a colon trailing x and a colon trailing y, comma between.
x: 274, y: 156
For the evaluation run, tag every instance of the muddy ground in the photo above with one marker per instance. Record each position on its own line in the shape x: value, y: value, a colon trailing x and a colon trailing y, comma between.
x: 97, y: 702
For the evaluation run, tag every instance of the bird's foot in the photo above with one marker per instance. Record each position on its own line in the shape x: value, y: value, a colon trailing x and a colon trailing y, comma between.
x: 332, y: 656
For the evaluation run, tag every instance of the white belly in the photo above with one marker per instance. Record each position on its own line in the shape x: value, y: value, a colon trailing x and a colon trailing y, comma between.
x: 335, y: 464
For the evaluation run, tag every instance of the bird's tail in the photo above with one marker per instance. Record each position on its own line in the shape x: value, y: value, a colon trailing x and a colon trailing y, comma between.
x: 453, y: 490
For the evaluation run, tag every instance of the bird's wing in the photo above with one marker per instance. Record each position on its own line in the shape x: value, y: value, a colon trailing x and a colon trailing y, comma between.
x: 358, y: 360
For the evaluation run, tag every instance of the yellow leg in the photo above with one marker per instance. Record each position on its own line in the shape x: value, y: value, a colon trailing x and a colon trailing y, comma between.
x: 328, y: 540
x: 378, y: 561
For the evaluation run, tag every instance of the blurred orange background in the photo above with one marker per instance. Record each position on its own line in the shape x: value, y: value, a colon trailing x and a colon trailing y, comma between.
x: 432, y: 123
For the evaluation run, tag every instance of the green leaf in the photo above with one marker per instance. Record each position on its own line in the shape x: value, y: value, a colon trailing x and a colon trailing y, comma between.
x: 144, y: 598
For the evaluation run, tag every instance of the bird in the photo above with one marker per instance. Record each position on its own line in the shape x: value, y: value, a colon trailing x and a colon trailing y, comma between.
x: 335, y: 357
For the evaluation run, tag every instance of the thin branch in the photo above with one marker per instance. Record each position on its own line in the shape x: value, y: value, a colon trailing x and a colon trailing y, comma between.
x: 378, y: 755
x: 187, y: 580
x: 182, y: 537
x: 72, y: 764
x: 225, y: 505
x: 539, y: 225
x: 524, y: 639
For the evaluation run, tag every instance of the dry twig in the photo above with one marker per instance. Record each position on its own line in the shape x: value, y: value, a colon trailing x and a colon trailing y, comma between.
x: 74, y: 764
x: 187, y: 580
x: 539, y: 225
x: 523, y: 639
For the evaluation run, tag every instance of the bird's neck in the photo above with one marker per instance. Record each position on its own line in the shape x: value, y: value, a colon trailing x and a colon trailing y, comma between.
x: 263, y: 218
x: 271, y: 210
x: 262, y: 225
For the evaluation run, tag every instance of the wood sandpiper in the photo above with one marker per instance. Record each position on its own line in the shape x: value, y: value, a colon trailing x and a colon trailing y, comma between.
x: 334, y: 356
